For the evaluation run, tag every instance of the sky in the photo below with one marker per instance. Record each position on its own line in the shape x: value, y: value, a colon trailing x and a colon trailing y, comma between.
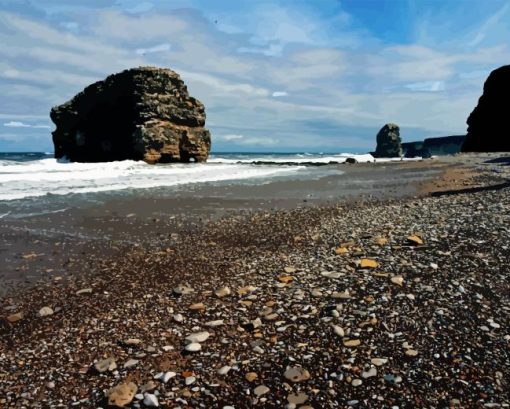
x: 281, y: 75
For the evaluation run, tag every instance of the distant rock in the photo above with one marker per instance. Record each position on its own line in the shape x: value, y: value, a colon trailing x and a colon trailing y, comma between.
x: 489, y: 124
x: 443, y: 145
x: 142, y: 113
x: 389, y: 144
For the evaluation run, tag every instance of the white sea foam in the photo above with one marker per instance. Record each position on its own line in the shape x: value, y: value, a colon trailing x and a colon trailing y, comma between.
x: 306, y: 158
x: 47, y: 176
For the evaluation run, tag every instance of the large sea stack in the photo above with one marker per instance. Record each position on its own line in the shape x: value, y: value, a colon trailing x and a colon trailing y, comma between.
x: 142, y: 113
x: 389, y: 144
x: 489, y: 123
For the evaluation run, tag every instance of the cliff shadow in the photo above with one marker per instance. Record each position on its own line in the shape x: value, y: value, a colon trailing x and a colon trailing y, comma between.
x: 499, y: 186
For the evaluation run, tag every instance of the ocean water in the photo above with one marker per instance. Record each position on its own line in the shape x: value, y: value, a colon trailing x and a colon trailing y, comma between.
x: 36, y: 174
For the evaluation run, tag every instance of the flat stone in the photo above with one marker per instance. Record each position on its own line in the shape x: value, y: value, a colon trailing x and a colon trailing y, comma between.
x: 150, y: 400
x: 45, y: 311
x: 397, y: 280
x: 104, y: 365
x: 297, y: 398
x: 198, y: 337
x: 368, y: 263
x: 369, y: 374
x: 415, y: 240
x: 84, y: 291
x: 338, y: 331
x: 215, y: 323
x: 122, y: 394
x: 197, y: 307
x: 15, y: 317
x: 224, y: 370
x: 130, y: 363
x: 296, y: 374
x: 223, y: 292
x: 193, y: 347
x: 133, y: 341
x: 351, y: 343
x: 261, y: 390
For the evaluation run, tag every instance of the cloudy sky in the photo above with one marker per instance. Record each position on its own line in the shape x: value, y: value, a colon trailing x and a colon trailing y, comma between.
x: 280, y: 75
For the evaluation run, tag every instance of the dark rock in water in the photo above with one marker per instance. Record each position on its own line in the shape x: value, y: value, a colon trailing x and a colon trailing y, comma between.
x: 389, y: 144
x: 489, y: 124
x: 351, y: 160
x: 444, y: 145
x: 414, y: 150
x: 142, y: 113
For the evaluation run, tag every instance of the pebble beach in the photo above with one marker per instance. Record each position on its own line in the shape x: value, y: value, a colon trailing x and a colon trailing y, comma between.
x: 394, y: 302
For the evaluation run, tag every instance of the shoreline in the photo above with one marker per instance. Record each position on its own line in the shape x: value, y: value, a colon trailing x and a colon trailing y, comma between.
x: 51, y: 243
x: 419, y: 302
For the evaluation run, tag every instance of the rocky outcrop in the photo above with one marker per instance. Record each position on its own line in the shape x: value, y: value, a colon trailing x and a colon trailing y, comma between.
x: 443, y: 145
x: 143, y: 113
x: 389, y: 144
x: 489, y: 123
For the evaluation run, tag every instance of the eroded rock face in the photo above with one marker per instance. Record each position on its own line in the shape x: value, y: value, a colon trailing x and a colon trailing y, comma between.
x: 489, y: 123
x: 389, y: 144
x: 142, y: 113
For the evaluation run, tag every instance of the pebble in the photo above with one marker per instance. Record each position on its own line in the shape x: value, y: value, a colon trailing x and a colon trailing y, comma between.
x: 297, y: 398
x: 84, y: 291
x: 251, y: 376
x: 351, y: 343
x: 130, y: 363
x: 379, y: 361
x: 261, y: 390
x: 369, y: 374
x: 45, y: 312
x: 105, y: 365
x: 296, y: 374
x: 224, y: 370
x: 398, y: 280
x: 223, y: 292
x: 190, y: 380
x: 193, y: 347
x: 198, y: 337
x: 178, y: 318
x: 15, y: 317
x: 339, y: 331
x: 122, y: 394
x: 215, y: 323
x: 356, y: 382
x: 150, y: 400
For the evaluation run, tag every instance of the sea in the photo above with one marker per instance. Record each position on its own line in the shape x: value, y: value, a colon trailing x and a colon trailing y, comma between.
x: 37, y: 178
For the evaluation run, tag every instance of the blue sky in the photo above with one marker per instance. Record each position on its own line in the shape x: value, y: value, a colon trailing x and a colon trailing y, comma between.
x: 316, y: 75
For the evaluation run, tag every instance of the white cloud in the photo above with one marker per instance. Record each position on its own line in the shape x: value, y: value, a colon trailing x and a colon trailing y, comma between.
x: 231, y: 137
x: 18, y: 124
x: 426, y: 86
x: 277, y: 94
x: 155, y: 49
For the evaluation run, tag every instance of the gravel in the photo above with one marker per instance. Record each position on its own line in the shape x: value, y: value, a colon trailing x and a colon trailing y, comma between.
x: 414, y: 312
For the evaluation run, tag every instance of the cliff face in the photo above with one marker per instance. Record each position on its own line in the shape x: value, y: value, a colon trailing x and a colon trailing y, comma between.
x: 143, y: 113
x: 489, y: 124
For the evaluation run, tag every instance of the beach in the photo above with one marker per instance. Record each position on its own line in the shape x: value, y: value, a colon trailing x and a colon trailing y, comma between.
x: 364, y: 285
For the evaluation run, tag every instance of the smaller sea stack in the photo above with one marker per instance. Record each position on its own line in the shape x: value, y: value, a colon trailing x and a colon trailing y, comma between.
x: 489, y: 123
x: 389, y: 143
